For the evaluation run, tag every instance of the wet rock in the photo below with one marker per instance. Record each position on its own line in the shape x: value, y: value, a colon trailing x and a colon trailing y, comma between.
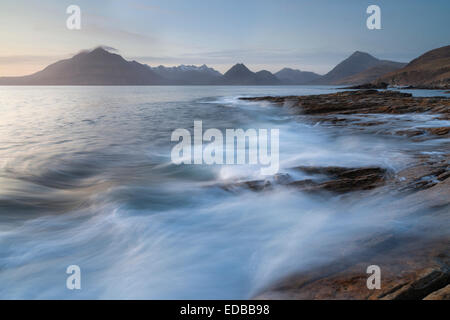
x: 330, y: 179
x: 438, y: 131
x: 409, y: 132
x: 423, y: 175
x: 441, y: 131
x: 342, y: 179
x: 428, y: 283
x: 413, y: 267
x: 254, y: 185
x: 381, y: 85
x: 443, y: 175
x: 441, y: 294
x: 282, y: 178
x: 409, y: 272
x: 361, y: 102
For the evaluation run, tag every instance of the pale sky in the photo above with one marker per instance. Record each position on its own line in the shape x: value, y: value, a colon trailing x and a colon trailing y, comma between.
x: 304, y: 34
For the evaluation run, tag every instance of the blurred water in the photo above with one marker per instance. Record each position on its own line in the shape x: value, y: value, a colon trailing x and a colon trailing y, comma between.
x: 86, y: 179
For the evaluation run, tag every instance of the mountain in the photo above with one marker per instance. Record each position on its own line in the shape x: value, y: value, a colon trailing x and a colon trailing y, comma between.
x: 291, y: 76
x: 96, y: 67
x: 188, y: 75
x: 239, y: 74
x: 430, y: 70
x: 357, y: 63
x: 372, y: 74
x: 101, y: 67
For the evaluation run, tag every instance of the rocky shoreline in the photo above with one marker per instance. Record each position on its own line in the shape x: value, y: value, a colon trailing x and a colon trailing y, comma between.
x: 384, y: 85
x: 362, y: 102
x: 415, y: 263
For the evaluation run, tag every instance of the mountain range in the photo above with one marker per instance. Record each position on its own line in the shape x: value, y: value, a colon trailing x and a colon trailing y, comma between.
x: 188, y: 74
x: 239, y: 74
x: 101, y: 67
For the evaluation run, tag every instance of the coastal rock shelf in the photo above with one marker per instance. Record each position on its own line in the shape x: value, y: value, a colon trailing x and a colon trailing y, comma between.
x: 361, y: 102
x: 415, y: 262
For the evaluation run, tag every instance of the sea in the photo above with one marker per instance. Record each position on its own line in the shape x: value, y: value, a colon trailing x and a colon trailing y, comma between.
x: 86, y: 179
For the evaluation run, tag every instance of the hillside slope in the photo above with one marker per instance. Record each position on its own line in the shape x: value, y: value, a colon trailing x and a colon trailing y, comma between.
x: 430, y: 70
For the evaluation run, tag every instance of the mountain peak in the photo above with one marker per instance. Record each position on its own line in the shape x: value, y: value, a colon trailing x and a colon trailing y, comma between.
x: 98, y: 52
x: 357, y: 62
x: 99, y: 49
x: 239, y: 74
x: 363, y: 57
x: 238, y: 70
x: 98, y: 66
x: 239, y: 66
x: 360, y: 53
x: 102, y: 52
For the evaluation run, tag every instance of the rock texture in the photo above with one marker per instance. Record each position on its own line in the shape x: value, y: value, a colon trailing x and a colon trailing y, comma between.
x: 361, y: 102
x: 327, y: 179
x: 414, y: 276
x: 415, y: 263
x: 442, y: 294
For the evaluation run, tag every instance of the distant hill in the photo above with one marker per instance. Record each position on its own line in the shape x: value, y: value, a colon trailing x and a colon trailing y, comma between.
x: 239, y: 74
x: 96, y: 67
x: 372, y: 73
x: 293, y: 76
x: 430, y: 70
x: 192, y: 75
x: 357, y: 63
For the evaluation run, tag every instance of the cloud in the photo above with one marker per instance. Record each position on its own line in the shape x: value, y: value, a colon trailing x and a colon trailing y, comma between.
x: 108, y: 48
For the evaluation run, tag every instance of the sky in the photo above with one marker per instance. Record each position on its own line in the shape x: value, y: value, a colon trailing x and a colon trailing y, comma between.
x: 310, y: 35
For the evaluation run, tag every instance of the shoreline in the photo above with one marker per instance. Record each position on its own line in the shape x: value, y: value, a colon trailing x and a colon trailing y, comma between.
x: 415, y: 263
